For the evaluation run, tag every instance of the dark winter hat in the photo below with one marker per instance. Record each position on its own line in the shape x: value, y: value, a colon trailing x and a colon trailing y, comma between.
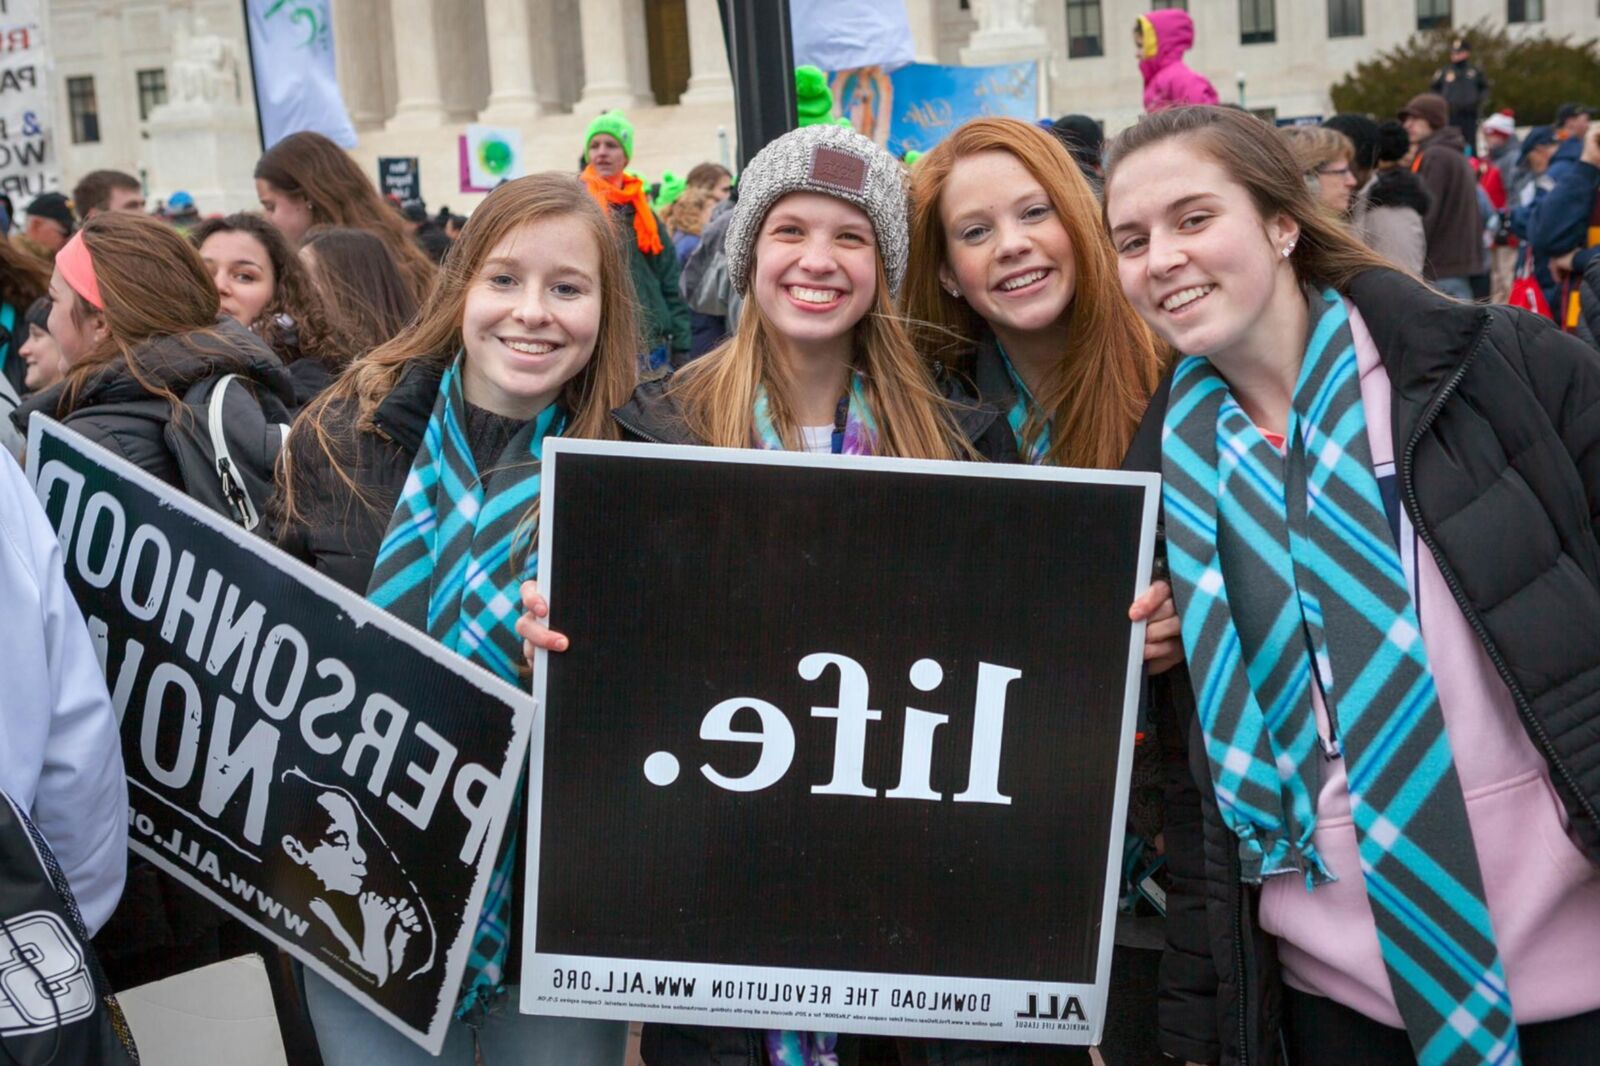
x: 1430, y: 107
x: 1571, y: 110
x: 55, y: 207
x: 414, y: 210
x: 1537, y: 137
x: 1393, y: 141
x: 1081, y: 135
x: 1460, y: 44
x: 1363, y: 134
x: 38, y: 313
x: 833, y: 161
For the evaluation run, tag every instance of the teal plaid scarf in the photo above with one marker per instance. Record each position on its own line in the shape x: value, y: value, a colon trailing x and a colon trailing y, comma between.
x: 456, y: 550
x: 1033, y: 451
x: 1286, y: 574
x: 859, y: 435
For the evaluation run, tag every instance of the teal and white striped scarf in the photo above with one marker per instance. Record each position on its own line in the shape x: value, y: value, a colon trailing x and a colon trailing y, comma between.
x: 1286, y: 575
x: 860, y: 433
x: 1033, y: 451
x: 459, y: 545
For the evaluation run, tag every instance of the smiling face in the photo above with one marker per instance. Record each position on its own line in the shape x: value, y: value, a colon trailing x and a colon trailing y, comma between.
x: 242, y: 270
x: 532, y: 316
x: 1194, y: 255
x: 290, y: 213
x: 606, y: 155
x: 816, y: 271
x: 43, y: 357
x: 1006, y: 249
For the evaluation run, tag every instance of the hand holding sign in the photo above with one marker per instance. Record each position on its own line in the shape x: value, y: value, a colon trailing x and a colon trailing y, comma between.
x: 535, y: 634
x: 1163, y: 644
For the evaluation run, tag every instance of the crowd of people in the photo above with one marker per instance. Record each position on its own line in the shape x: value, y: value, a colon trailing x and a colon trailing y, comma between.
x: 1374, y: 669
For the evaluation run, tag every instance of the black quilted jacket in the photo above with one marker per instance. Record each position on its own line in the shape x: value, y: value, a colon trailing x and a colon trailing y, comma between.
x: 1496, y: 423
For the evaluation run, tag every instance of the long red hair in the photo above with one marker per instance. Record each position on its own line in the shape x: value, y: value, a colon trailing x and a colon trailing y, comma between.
x: 1110, y: 361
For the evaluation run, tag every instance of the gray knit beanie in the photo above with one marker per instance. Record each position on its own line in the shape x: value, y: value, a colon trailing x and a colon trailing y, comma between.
x: 836, y: 162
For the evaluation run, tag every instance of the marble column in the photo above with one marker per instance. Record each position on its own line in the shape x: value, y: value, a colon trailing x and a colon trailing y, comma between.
x: 709, y: 78
x: 358, y: 62
x: 607, y: 28
x: 420, y: 103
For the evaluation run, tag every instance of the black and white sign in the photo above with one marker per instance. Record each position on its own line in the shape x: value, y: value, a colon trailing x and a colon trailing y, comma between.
x: 840, y: 744
x: 400, y: 176
x: 30, y: 163
x: 316, y: 768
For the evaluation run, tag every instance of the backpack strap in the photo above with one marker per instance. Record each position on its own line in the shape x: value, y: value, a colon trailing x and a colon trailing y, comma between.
x: 233, y: 490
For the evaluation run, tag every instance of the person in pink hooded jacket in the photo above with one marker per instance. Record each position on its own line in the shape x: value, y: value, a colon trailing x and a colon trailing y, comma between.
x: 1162, y: 37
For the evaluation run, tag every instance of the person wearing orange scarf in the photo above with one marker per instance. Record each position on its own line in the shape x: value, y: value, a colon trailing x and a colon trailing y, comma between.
x: 664, y: 317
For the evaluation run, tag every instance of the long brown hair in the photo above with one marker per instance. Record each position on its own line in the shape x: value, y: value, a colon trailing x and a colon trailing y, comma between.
x: 1254, y: 155
x: 1110, y: 361
x: 716, y: 393
x: 361, y: 285
x: 153, y: 284
x: 23, y: 277
x: 434, y: 336
x: 310, y: 165
x: 293, y: 295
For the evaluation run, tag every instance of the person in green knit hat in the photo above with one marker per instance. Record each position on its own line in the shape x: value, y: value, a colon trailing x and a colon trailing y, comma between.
x: 813, y: 100
x: 652, y: 263
x: 672, y: 187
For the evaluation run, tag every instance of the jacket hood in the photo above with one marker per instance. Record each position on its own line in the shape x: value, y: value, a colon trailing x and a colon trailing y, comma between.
x: 1446, y: 137
x: 1398, y: 188
x: 176, y: 362
x: 1166, y: 36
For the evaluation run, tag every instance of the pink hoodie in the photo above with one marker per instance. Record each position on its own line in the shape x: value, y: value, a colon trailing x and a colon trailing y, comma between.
x: 1168, y: 81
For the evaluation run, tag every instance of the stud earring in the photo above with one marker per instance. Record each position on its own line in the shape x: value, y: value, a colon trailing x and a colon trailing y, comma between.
x: 1287, y: 249
x: 956, y: 293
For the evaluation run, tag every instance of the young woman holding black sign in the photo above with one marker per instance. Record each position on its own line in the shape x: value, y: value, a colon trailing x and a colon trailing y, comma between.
x: 1380, y: 514
x: 424, y: 458
x: 1012, y: 294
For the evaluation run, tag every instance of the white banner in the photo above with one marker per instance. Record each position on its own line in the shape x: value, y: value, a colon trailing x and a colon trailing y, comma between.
x: 29, y: 162
x: 846, y: 34
x: 291, y: 56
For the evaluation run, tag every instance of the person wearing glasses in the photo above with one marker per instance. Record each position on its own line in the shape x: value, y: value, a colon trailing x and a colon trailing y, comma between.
x: 1324, y: 157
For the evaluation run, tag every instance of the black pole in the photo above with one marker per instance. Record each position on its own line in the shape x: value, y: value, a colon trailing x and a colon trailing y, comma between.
x: 250, y: 57
x: 761, y: 60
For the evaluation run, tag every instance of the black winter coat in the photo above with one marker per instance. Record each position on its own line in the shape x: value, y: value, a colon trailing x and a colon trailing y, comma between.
x: 1496, y: 423
x: 334, y: 530
x: 115, y: 411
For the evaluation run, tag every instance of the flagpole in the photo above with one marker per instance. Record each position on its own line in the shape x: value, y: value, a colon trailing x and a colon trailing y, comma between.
x: 759, y: 40
x: 250, y: 54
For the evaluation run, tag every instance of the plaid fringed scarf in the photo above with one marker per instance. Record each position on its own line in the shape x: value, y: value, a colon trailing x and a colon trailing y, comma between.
x: 459, y: 545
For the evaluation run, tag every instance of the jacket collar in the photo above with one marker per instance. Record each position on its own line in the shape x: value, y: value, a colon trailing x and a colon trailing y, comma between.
x: 1421, y: 335
x: 403, y: 415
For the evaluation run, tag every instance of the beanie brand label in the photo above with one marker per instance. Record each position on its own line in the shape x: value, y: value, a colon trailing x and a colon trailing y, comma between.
x: 839, y: 170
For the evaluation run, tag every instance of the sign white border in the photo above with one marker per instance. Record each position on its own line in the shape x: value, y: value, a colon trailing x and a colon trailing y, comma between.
x: 362, y: 613
x: 540, y: 996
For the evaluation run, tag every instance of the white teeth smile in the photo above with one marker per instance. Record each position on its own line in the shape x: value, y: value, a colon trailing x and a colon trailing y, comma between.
x: 813, y: 296
x: 1186, y: 297
x: 1022, y: 280
x: 531, y: 347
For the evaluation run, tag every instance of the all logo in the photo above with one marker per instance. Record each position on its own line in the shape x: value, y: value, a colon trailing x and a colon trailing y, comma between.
x: 1057, y: 1008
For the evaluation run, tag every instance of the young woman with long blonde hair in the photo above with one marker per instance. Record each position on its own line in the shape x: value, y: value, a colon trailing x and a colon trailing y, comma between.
x: 424, y: 458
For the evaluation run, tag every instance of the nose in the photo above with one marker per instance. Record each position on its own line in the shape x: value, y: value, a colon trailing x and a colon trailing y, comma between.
x: 1011, y: 240
x: 1164, y: 256
x: 531, y: 310
x: 221, y: 280
x: 817, y: 256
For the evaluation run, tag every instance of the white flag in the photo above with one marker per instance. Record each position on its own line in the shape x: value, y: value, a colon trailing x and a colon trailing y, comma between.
x: 846, y: 34
x: 291, y: 56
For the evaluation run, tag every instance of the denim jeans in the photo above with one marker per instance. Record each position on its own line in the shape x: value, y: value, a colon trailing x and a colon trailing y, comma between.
x: 1460, y: 288
x: 351, y: 1035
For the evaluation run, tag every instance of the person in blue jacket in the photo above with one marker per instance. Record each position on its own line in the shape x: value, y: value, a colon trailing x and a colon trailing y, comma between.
x: 1564, y: 230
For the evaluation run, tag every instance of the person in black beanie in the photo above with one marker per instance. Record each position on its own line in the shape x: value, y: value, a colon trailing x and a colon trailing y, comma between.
x: 1085, y: 141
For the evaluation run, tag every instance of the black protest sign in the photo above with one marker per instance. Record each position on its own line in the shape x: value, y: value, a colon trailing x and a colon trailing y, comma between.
x: 840, y: 744
x: 400, y: 176
x: 316, y: 768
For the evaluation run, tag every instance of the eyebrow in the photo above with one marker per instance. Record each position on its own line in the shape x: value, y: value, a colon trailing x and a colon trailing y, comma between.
x: 1175, y: 206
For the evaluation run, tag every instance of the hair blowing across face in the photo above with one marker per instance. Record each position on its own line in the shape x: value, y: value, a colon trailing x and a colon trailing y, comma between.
x: 1255, y: 156
x: 434, y: 335
x: 1110, y: 362
x: 361, y: 285
x: 310, y: 165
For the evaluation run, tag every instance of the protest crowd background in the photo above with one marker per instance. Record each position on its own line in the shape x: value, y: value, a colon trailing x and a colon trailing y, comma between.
x: 1362, y: 349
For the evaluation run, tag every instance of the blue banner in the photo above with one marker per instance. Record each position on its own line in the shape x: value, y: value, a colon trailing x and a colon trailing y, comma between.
x: 914, y: 108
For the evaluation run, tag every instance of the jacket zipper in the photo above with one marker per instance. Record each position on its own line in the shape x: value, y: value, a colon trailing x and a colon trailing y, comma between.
x: 1524, y: 711
x: 631, y: 428
x: 1238, y: 964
